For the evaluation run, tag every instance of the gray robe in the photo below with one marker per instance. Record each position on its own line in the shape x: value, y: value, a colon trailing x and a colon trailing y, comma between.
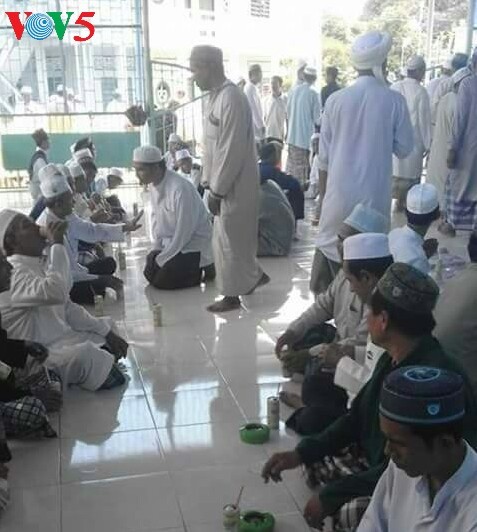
x: 231, y: 170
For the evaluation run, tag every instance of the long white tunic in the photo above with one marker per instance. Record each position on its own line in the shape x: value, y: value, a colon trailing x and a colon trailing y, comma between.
x: 251, y: 92
x: 406, y: 246
x: 433, y: 84
x: 38, y: 308
x: 179, y: 220
x: 419, y: 107
x: 437, y: 170
x: 275, y: 113
x: 401, y: 503
x: 304, y: 114
x: 230, y: 168
x: 362, y: 126
x: 86, y: 231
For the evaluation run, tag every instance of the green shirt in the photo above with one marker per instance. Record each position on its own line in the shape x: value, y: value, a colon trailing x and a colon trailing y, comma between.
x: 361, y: 426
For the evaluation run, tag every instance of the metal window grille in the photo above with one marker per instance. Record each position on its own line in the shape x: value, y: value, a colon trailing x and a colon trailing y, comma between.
x: 260, y: 8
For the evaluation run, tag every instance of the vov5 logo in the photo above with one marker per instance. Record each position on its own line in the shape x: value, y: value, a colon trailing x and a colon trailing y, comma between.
x: 40, y: 26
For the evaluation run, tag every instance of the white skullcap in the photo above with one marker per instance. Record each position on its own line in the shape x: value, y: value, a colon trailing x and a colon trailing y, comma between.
x: 416, y: 62
x: 147, y: 154
x: 370, y: 51
x: 6, y: 218
x: 315, y: 136
x: 461, y: 74
x: 310, y: 71
x: 53, y: 182
x: 174, y: 137
x: 183, y: 154
x: 75, y: 169
x: 60, y: 88
x: 85, y: 153
x: 422, y: 199
x: 366, y: 246
x: 117, y: 172
x: 26, y: 90
x: 367, y: 220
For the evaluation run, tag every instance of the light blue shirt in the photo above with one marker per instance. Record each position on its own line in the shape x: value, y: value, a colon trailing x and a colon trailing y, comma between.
x: 403, y: 504
x: 304, y: 110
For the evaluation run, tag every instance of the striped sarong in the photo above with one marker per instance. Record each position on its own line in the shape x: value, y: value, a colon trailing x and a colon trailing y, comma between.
x: 298, y: 164
x: 460, y: 214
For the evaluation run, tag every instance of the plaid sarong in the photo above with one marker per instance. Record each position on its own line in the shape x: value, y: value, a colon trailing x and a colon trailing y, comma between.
x: 26, y: 417
x: 330, y: 469
x: 460, y: 214
x: 298, y: 164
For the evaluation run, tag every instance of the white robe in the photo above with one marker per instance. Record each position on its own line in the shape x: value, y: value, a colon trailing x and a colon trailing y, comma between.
x: 437, y: 170
x: 433, y: 84
x: 419, y: 108
x: 406, y: 246
x: 38, y: 308
x: 403, y: 504
x: 230, y: 168
x: 179, y: 220
x: 275, y: 114
x: 253, y: 97
x: 362, y: 126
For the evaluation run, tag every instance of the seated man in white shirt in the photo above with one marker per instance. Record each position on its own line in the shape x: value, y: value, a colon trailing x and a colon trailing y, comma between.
x: 430, y: 484
x: 181, y: 230
x: 93, y: 279
x: 407, y: 243
x: 83, y: 350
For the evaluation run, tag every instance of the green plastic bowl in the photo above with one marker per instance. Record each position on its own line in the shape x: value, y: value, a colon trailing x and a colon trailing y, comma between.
x: 255, y: 433
x: 256, y: 522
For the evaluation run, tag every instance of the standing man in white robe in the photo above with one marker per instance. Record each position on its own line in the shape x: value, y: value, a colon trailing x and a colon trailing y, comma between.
x: 437, y: 170
x: 362, y: 127
x: 231, y: 170
x: 275, y: 110
x: 446, y: 73
x: 407, y: 172
x: 255, y: 77
x: 37, y: 307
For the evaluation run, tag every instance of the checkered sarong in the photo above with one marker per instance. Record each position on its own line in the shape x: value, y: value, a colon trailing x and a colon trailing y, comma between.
x: 26, y: 417
x: 330, y: 469
x: 460, y: 214
x: 298, y: 164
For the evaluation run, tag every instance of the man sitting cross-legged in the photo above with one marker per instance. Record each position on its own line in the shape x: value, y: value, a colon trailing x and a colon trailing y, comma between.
x: 37, y: 307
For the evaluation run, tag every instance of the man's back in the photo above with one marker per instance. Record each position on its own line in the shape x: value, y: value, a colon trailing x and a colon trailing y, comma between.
x: 303, y: 114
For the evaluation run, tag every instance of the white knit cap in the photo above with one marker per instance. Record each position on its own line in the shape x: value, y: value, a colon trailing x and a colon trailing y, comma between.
x: 75, y: 169
x: 147, y: 154
x: 6, y: 218
x: 310, y: 71
x: 117, y: 172
x: 26, y: 89
x: 416, y: 62
x: 53, y: 182
x: 183, y: 154
x: 369, y: 52
x: 367, y: 220
x: 85, y: 153
x: 422, y: 199
x: 174, y: 137
x: 366, y: 246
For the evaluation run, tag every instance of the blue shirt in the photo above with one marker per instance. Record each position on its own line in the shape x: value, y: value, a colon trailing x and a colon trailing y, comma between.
x: 304, y: 110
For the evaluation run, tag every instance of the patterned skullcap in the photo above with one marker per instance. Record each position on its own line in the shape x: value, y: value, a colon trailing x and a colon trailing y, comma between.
x: 422, y: 395
x: 408, y: 289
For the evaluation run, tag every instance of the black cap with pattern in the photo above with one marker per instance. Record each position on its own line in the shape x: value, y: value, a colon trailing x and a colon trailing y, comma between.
x: 422, y: 395
x: 408, y: 289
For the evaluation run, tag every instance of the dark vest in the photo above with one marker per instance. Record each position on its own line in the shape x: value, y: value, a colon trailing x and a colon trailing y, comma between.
x: 39, y: 154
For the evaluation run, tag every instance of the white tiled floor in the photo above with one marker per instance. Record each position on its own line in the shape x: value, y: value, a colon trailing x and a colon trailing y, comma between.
x: 164, y: 453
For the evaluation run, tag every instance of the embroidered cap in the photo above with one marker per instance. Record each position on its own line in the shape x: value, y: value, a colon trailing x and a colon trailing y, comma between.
x: 408, y: 288
x: 422, y: 395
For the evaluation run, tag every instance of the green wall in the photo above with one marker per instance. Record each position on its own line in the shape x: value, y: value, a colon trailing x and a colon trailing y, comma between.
x: 113, y: 149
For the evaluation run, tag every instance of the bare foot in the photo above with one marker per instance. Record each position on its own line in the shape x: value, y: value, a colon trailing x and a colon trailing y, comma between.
x: 225, y: 305
x: 265, y: 279
x: 446, y: 229
x: 293, y: 400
